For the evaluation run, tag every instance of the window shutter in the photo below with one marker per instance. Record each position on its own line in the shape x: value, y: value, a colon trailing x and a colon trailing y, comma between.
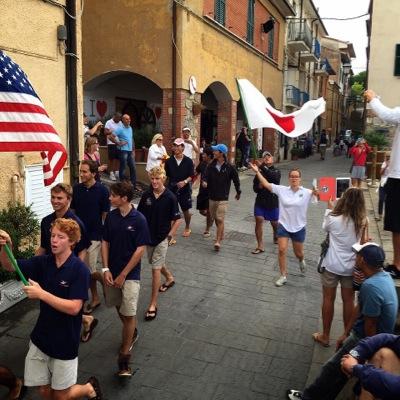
x: 397, y: 61
x: 250, y: 21
x: 220, y: 11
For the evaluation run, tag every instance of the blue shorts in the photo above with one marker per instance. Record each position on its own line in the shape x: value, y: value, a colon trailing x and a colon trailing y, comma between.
x: 269, y: 214
x: 299, y: 236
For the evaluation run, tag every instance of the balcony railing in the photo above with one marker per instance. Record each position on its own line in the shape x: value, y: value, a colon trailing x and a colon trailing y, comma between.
x: 299, y: 31
x: 293, y: 95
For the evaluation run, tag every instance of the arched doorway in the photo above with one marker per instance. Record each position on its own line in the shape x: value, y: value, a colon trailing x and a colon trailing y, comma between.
x: 128, y: 93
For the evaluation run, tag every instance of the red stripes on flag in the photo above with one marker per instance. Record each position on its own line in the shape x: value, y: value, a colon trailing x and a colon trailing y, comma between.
x: 25, y: 126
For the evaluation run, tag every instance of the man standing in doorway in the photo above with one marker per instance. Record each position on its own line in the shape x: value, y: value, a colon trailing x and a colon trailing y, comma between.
x: 217, y: 179
x: 179, y: 170
x: 323, y: 141
x: 126, y: 147
x: 190, y: 144
x: 125, y: 236
x: 266, y: 206
x: 113, y: 153
x: 161, y: 210
x: 90, y: 201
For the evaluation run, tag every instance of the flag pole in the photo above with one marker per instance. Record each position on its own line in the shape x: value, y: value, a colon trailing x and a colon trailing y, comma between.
x: 14, y: 263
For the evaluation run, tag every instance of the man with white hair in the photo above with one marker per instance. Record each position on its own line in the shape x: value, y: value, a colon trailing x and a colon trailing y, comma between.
x: 190, y: 144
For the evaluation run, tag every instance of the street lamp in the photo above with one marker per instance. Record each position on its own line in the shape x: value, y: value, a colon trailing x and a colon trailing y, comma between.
x: 346, y: 69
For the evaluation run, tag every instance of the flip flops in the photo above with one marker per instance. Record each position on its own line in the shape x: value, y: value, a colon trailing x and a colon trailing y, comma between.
x: 150, y: 315
x: 171, y: 242
x: 165, y: 286
x: 317, y: 338
x: 217, y: 246
x: 186, y: 232
x: 257, y: 251
x: 87, y: 335
x: 89, y: 308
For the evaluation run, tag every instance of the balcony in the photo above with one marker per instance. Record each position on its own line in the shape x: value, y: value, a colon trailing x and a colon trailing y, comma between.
x: 312, y: 56
x: 293, y: 96
x: 304, y: 97
x: 299, y: 36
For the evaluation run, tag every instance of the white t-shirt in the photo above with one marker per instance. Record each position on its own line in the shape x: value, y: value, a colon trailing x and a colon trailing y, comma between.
x: 112, y: 126
x: 293, y: 206
x: 155, y: 151
x: 340, y: 259
x: 390, y: 115
x: 385, y: 174
x: 188, y: 150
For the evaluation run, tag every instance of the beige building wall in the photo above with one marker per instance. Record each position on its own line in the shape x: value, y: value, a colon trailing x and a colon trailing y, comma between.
x: 385, y: 34
x: 30, y: 39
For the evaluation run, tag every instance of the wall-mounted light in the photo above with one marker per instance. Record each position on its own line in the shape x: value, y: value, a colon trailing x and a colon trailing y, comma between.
x: 346, y: 68
x: 268, y: 26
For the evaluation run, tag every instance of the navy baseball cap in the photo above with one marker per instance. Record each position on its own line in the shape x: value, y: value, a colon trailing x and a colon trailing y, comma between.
x: 220, y: 147
x: 372, y: 253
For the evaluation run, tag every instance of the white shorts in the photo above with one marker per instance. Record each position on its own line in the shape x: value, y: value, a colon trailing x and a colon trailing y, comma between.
x: 41, y: 370
x: 157, y: 254
x: 126, y: 299
x: 93, y: 257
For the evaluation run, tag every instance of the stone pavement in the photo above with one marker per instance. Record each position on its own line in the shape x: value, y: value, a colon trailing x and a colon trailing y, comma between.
x: 224, y: 331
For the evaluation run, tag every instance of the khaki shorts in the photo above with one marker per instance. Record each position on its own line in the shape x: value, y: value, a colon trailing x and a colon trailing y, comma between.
x: 93, y: 257
x: 218, y: 209
x: 331, y: 280
x: 41, y: 370
x: 157, y: 254
x: 126, y: 299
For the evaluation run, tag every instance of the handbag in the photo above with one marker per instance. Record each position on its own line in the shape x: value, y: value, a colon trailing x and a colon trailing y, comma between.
x: 324, y: 250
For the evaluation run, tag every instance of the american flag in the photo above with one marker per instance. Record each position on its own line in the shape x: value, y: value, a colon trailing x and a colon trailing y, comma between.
x: 24, y: 123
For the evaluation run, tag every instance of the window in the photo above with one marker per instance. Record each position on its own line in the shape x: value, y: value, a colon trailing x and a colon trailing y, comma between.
x: 220, y: 11
x: 271, y: 37
x: 397, y: 61
x: 250, y: 21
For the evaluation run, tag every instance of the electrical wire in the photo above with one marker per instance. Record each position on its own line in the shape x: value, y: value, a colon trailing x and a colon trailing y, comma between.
x: 55, y: 3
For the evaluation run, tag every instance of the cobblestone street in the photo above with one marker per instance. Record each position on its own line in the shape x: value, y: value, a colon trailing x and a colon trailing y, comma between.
x: 224, y: 331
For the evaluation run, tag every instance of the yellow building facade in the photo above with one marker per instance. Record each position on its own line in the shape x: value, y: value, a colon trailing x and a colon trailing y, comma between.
x: 180, y: 61
x: 29, y: 36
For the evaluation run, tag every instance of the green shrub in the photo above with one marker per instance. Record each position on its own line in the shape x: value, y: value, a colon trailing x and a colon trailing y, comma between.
x: 23, y: 226
x: 376, y: 138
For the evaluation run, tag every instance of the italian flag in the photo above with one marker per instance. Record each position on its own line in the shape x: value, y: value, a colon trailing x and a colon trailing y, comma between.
x: 260, y: 114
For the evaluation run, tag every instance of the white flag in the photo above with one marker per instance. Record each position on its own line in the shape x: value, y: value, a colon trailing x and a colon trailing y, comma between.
x: 260, y: 114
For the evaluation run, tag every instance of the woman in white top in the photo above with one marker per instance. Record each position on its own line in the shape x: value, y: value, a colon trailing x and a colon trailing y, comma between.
x: 157, y: 152
x: 293, y: 205
x: 345, y: 224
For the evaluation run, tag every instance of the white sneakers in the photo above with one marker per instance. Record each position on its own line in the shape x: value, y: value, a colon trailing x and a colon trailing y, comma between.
x: 281, y: 281
x: 302, y: 265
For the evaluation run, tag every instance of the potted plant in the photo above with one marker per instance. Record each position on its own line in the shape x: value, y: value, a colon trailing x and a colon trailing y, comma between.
x: 142, y: 138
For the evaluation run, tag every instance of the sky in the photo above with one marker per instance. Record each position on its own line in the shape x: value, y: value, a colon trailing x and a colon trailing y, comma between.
x: 353, y: 31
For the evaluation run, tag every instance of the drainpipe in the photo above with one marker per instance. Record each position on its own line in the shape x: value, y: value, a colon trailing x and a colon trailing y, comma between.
x: 174, y: 35
x: 14, y: 185
x: 71, y: 85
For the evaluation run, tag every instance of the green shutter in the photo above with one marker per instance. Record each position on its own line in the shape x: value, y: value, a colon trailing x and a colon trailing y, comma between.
x: 397, y: 61
x: 220, y: 11
x: 250, y: 21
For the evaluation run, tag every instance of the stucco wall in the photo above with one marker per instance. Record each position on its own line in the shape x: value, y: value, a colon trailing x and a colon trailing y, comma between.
x: 29, y: 37
x: 141, y: 42
x: 384, y: 37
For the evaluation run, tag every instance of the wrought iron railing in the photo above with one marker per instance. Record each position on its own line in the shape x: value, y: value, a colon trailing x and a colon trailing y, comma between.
x: 300, y: 31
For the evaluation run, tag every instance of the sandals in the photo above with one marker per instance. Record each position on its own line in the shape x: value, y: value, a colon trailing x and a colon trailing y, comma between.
x: 88, y: 334
x: 150, y: 315
x: 217, y: 246
x: 257, y: 251
x: 171, y: 242
x: 186, y: 233
x: 96, y: 386
x: 206, y: 234
x: 90, y: 308
x: 165, y: 286
x: 317, y: 338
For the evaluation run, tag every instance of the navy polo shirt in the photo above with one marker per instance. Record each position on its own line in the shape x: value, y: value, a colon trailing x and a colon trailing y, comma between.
x: 57, y: 334
x: 125, y: 235
x: 159, y: 212
x: 89, y: 205
x: 45, y: 234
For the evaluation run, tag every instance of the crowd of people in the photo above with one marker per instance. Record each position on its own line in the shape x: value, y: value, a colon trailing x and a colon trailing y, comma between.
x: 97, y: 238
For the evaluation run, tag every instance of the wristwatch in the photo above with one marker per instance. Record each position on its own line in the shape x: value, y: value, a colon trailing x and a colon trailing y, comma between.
x: 354, y: 354
x: 105, y: 270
